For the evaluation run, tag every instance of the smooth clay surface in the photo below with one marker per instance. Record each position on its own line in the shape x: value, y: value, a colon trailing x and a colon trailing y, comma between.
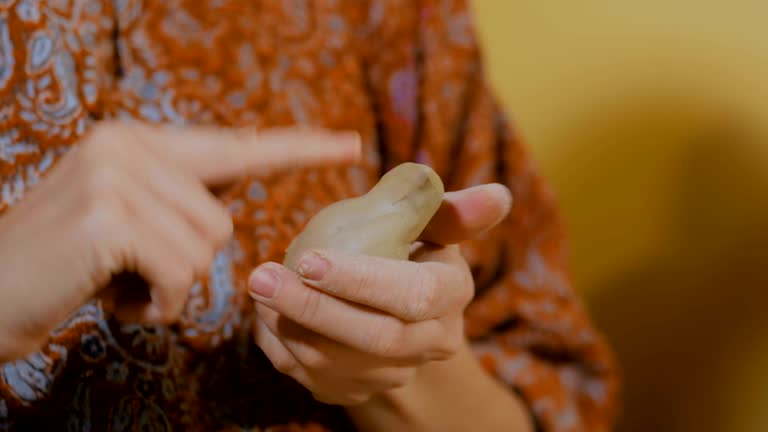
x: 384, y: 222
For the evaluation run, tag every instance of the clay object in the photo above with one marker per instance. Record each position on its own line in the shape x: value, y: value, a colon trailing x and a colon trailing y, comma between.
x: 384, y: 222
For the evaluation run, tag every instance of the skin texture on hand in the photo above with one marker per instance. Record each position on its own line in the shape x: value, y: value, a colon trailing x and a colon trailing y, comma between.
x: 453, y: 395
x: 133, y: 199
x: 357, y: 329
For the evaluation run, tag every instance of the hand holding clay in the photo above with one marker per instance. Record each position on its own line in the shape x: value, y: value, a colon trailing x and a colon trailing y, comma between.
x: 349, y: 316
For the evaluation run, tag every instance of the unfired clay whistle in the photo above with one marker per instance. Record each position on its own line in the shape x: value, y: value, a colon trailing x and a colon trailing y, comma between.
x: 384, y: 222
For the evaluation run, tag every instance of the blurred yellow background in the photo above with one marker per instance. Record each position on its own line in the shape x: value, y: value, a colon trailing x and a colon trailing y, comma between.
x: 649, y: 120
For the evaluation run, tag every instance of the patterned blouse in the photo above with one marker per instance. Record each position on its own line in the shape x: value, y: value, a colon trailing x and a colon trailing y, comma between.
x: 406, y: 74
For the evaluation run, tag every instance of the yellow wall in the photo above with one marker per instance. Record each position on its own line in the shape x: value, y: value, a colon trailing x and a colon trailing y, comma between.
x: 651, y: 121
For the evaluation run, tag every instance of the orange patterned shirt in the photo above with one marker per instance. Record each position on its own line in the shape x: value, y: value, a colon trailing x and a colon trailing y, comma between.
x: 406, y: 74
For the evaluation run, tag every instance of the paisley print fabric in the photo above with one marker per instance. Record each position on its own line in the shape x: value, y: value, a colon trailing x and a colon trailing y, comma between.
x: 406, y: 74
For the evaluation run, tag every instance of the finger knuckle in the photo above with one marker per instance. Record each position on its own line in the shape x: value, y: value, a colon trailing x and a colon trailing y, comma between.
x: 388, y: 342
x: 362, y: 282
x: 99, y: 192
x: 100, y: 215
x: 425, y: 295
x: 268, y: 316
x: 106, y: 139
x: 399, y: 377
x: 446, y: 348
x: 310, y: 305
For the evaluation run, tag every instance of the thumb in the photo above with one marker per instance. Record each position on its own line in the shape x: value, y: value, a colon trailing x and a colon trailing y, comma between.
x: 217, y: 155
x: 467, y: 213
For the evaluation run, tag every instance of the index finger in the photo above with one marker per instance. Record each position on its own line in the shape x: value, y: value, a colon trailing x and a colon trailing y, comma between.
x: 216, y: 155
x: 411, y: 291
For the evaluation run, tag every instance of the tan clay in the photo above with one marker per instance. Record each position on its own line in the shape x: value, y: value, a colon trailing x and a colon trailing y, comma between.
x: 384, y: 222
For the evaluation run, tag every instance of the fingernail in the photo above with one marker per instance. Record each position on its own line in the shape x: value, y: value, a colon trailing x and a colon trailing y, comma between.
x: 264, y: 283
x: 313, y: 266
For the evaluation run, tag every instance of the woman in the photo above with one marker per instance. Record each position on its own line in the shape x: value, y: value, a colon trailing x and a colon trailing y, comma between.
x: 350, y: 342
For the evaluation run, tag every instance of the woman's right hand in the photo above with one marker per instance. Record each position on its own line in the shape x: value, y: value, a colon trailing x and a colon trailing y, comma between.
x: 133, y: 198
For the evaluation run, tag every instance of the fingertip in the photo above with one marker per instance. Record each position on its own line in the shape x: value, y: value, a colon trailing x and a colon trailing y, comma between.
x: 137, y: 314
x: 347, y: 142
x: 354, y: 143
x: 154, y: 314
x: 487, y: 200
x: 263, y: 283
x: 505, y: 196
x: 468, y: 213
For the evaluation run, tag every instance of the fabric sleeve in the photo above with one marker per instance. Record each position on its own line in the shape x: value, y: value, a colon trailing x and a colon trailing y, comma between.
x: 527, y: 325
x: 55, y: 64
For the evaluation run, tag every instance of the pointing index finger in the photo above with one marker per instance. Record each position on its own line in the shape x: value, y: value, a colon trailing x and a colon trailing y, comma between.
x: 218, y: 155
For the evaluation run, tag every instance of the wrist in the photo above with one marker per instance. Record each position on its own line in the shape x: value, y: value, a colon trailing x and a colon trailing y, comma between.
x: 398, y: 409
x: 452, y: 395
x: 416, y: 406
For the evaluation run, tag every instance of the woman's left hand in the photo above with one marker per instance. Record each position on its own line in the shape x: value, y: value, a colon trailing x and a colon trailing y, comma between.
x: 348, y: 327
